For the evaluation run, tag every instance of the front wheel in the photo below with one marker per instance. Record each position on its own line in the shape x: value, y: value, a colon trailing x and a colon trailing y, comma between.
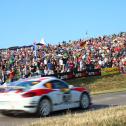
x: 44, y: 108
x: 85, y: 101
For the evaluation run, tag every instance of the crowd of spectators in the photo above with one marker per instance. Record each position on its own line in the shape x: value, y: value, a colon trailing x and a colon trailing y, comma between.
x: 72, y: 56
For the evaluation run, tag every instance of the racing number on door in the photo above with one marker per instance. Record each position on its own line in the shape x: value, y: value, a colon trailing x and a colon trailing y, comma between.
x: 66, y: 97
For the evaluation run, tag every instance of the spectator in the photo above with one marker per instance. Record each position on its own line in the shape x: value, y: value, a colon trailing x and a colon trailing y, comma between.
x: 101, y: 52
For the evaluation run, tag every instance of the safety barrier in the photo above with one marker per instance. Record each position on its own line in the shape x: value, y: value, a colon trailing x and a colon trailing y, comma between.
x: 78, y: 74
x: 110, y: 71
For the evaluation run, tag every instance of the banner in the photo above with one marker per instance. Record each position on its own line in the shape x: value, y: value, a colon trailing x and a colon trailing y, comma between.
x: 109, y: 71
x: 71, y: 75
x: 94, y: 72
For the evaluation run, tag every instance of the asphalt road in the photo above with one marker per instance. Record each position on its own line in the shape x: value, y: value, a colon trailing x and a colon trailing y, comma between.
x: 99, y: 102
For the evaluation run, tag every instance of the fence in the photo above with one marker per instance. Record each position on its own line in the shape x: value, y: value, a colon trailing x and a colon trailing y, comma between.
x: 85, y: 73
x: 78, y: 74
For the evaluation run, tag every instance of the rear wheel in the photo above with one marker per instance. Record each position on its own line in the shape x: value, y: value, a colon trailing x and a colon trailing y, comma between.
x: 85, y: 101
x: 44, y: 108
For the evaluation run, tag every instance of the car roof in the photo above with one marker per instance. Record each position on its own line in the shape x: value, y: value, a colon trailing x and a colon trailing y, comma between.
x: 40, y: 78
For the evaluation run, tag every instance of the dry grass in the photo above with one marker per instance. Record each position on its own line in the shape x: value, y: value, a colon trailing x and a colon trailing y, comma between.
x: 115, y: 116
x: 101, y: 84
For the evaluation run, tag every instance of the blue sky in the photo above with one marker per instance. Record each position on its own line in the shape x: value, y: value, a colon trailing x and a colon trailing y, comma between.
x: 23, y: 21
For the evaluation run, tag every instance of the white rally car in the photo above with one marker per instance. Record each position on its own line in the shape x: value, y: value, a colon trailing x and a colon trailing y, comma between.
x: 42, y: 96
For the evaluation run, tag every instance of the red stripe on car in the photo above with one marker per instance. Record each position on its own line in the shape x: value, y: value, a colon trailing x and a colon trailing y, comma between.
x: 80, y: 89
x: 37, y: 92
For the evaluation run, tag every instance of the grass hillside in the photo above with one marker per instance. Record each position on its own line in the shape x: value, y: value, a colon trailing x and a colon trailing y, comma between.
x: 115, y: 116
x: 99, y: 84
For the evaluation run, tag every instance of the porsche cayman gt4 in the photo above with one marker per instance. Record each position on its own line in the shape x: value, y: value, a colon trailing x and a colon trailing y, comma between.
x: 42, y: 95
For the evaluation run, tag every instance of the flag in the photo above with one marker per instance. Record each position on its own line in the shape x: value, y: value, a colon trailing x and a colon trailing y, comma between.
x: 82, y: 44
x: 86, y: 33
x: 35, y: 50
x: 11, y: 60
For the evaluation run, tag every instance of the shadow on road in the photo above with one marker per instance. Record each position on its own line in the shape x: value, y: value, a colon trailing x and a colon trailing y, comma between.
x: 101, y: 106
x: 60, y: 113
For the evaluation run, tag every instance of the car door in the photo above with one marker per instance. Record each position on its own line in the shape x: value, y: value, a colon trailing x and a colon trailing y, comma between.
x: 64, y: 94
x: 61, y: 95
x: 56, y: 95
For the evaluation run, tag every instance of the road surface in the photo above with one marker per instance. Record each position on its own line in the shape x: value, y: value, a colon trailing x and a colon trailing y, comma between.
x: 99, y: 102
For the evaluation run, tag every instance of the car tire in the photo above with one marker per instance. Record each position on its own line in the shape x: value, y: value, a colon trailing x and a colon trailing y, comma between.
x: 85, y: 101
x: 44, y: 107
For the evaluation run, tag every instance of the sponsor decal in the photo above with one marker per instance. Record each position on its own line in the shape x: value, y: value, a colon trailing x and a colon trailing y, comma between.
x: 66, y: 98
x: 109, y: 71
x: 65, y: 90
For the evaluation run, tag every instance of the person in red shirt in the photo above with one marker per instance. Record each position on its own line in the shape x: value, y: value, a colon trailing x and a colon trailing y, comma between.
x: 11, y: 75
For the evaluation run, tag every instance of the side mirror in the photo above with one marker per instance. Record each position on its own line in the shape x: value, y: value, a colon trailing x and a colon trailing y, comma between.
x: 71, y: 86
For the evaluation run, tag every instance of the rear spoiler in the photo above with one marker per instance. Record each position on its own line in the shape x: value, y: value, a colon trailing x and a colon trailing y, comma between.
x: 11, y: 87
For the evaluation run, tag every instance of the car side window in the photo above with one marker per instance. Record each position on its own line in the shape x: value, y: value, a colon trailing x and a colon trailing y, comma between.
x: 56, y: 84
x: 48, y: 85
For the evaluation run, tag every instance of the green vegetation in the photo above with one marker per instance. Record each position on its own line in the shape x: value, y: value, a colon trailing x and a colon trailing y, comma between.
x: 115, y: 116
x: 101, y: 84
